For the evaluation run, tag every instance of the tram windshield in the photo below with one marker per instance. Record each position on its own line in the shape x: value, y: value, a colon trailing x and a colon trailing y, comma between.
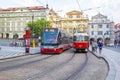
x: 50, y: 36
x: 80, y: 38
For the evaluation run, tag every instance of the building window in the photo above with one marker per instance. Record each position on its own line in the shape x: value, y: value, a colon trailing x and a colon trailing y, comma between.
x: 21, y: 9
x: 92, y: 32
x: 3, y: 24
x: 100, y: 25
x: 103, y: 21
x: 70, y: 16
x: 77, y: 16
x: 107, y: 26
x: 8, y: 24
x: 8, y: 29
x: 100, y: 32
x: 64, y: 24
x: 2, y: 29
x: 70, y: 23
x: 92, y: 26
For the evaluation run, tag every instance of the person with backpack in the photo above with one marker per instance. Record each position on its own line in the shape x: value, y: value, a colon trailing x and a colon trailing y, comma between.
x: 100, y: 45
x: 94, y: 46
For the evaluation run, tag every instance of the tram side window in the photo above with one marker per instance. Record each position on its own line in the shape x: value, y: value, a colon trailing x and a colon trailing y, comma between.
x: 62, y: 40
x: 59, y: 39
x: 86, y: 38
x: 65, y: 40
x: 74, y: 38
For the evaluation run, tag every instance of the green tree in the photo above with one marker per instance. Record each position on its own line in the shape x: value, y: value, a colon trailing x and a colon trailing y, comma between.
x: 36, y: 27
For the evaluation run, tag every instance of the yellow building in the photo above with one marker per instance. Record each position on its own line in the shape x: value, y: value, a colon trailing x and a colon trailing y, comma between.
x: 54, y: 19
x: 73, y: 22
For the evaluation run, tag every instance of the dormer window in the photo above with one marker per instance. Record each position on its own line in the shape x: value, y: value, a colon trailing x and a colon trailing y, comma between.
x: 77, y: 16
x: 70, y: 16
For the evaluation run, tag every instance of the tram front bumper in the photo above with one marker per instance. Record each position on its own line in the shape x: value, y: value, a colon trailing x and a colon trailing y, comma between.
x: 56, y: 50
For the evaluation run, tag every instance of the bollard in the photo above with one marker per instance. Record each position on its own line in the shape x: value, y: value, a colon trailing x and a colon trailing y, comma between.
x: 33, y: 43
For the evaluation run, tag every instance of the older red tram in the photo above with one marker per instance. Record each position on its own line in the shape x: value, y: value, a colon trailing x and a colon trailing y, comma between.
x: 80, y: 42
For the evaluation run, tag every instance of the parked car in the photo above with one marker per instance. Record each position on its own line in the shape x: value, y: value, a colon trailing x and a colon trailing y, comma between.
x: 110, y: 44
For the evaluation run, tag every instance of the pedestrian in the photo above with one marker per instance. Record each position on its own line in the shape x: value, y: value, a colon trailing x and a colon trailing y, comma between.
x: 100, y: 45
x: 94, y: 46
x: 115, y: 43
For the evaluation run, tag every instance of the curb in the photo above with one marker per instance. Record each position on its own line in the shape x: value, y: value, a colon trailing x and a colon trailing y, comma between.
x: 26, y: 54
x: 111, y: 69
x: 13, y: 57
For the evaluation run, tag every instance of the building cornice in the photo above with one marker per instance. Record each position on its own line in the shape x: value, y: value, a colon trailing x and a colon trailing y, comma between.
x: 74, y: 12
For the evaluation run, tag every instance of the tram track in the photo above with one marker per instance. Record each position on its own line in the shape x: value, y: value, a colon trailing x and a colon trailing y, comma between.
x: 81, y: 67
x: 65, y: 66
x: 11, y: 64
x: 41, y: 74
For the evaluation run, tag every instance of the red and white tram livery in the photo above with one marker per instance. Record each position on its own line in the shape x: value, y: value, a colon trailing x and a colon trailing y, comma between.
x: 80, y: 42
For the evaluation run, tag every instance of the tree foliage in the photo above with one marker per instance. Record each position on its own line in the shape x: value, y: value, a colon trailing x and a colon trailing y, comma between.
x: 36, y: 27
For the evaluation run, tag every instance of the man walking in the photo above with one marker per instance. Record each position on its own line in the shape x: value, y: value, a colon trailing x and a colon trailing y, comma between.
x: 100, y: 45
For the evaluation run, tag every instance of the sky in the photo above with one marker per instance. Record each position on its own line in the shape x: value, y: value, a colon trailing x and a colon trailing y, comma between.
x: 109, y: 8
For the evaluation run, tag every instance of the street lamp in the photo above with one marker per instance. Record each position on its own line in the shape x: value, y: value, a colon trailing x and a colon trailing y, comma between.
x: 46, y: 19
x: 33, y: 40
x: 32, y: 25
x: 74, y: 31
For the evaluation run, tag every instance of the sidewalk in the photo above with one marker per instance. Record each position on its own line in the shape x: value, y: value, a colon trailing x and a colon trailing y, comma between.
x: 113, y: 60
x: 8, y: 52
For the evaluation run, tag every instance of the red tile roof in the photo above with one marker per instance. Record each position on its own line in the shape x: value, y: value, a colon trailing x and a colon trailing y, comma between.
x: 35, y: 8
x: 28, y: 8
x: 9, y: 9
x: 52, y: 11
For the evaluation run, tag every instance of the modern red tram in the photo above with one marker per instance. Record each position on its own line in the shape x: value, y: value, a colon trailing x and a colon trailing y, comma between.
x: 54, y: 41
x: 80, y: 42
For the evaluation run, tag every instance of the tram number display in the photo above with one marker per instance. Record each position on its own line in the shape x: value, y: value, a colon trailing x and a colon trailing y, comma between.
x: 51, y: 30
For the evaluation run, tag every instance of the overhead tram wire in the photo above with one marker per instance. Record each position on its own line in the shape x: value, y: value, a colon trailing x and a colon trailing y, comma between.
x: 45, y: 12
x: 78, y: 4
x: 86, y: 9
x: 40, y: 2
x: 91, y: 8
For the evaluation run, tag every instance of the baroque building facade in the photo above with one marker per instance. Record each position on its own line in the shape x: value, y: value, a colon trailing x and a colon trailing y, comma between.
x: 100, y: 27
x: 13, y: 20
x: 54, y: 19
x: 73, y: 22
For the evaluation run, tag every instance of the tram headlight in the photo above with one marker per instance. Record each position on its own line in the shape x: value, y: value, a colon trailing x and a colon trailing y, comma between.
x: 54, y: 49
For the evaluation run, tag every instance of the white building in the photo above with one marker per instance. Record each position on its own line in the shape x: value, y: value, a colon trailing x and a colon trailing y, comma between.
x: 117, y: 33
x: 101, y: 28
x: 14, y: 20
